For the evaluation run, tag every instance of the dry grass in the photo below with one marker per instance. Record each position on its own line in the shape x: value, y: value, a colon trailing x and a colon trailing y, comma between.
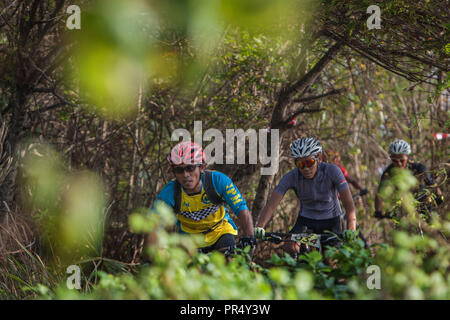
x: 21, y: 268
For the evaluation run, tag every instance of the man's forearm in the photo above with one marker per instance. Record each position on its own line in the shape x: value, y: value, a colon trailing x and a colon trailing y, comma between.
x: 349, y: 207
x: 351, y: 220
x: 354, y: 182
x: 246, y: 222
x: 351, y: 214
x: 268, y: 209
x: 264, y: 217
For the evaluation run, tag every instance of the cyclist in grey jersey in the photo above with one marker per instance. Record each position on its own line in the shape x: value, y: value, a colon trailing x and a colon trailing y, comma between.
x: 317, y: 185
x: 318, y: 196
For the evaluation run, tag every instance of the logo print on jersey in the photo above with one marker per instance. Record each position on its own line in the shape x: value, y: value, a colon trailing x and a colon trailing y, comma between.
x: 205, y: 199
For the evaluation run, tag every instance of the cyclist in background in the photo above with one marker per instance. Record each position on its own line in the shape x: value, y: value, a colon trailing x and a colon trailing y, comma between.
x: 399, y: 151
x: 198, y: 197
x: 317, y: 185
x: 334, y: 157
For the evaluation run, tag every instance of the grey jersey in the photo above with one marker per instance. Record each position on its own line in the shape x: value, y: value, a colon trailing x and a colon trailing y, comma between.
x: 318, y: 196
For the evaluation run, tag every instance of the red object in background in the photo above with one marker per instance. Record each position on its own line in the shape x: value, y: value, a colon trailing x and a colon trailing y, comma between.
x: 345, y: 172
x: 440, y: 136
x: 293, y: 122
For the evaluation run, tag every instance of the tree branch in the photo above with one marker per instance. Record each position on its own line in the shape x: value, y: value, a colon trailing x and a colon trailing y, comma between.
x: 287, y: 93
x: 323, y: 95
x: 305, y: 82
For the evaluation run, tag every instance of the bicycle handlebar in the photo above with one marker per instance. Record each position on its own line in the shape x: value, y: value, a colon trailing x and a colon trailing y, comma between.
x: 421, y: 197
x: 305, y: 237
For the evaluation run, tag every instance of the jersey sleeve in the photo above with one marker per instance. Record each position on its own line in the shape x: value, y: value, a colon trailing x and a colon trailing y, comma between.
x: 286, y: 183
x: 228, y: 191
x: 167, y: 195
x: 337, y: 178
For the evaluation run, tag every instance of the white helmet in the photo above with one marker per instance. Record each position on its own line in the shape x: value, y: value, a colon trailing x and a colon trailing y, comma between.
x: 399, y: 147
x: 305, y: 147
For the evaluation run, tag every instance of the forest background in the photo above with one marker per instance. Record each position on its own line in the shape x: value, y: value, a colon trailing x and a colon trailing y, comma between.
x: 88, y: 103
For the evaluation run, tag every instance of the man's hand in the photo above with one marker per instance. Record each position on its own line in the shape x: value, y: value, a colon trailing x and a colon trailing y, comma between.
x: 349, y: 235
x: 247, y: 241
x: 351, y: 225
x: 259, y: 233
x: 363, y: 192
x: 379, y: 214
x: 439, y: 199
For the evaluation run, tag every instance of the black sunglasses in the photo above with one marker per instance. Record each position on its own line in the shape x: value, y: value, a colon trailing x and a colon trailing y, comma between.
x: 399, y: 160
x: 188, y: 168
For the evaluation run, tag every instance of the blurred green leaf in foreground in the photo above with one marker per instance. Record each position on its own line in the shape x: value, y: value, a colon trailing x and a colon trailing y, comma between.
x: 68, y: 206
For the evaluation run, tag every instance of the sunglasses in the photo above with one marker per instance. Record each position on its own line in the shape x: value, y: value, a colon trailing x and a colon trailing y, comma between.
x: 400, y: 161
x: 188, y: 168
x: 308, y: 163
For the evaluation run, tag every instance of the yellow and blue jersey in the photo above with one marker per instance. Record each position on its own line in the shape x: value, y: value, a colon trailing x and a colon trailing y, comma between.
x: 198, y: 215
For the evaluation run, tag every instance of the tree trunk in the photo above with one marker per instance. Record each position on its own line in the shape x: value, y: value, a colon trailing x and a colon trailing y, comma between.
x: 280, y: 119
x: 135, y: 165
x: 264, y: 185
x: 14, y: 131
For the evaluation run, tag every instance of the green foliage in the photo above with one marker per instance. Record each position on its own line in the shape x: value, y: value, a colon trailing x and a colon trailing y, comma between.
x: 397, y: 189
x: 177, y: 271
x: 112, y: 55
x: 416, y: 268
x: 124, y: 47
x: 69, y: 207
x: 225, y: 63
x: 338, y: 272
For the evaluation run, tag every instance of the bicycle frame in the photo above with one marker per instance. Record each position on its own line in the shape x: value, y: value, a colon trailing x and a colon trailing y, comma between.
x: 423, y: 206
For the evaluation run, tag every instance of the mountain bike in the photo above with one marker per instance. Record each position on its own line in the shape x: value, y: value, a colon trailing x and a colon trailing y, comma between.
x: 227, y: 251
x: 307, y: 240
x: 424, y: 205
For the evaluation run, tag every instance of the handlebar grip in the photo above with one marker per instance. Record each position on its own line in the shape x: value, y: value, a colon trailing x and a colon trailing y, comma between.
x: 363, y: 192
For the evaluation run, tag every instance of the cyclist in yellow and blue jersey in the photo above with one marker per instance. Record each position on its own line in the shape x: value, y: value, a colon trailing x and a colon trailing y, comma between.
x: 198, y: 197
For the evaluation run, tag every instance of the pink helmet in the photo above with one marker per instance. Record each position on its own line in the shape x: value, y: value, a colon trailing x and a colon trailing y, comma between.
x: 186, y: 153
